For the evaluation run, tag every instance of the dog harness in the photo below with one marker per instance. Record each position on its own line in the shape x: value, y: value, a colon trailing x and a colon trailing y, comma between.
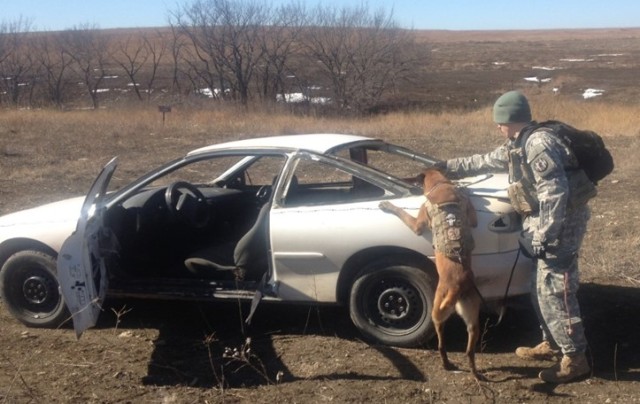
x: 451, y: 231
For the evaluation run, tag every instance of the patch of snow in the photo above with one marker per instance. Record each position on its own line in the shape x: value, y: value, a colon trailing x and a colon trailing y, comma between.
x: 300, y: 97
x: 576, y: 60
x: 206, y: 92
x: 592, y: 92
x: 535, y: 79
x: 211, y: 93
x: 545, y: 68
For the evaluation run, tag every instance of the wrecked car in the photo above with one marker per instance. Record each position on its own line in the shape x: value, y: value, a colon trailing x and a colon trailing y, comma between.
x: 290, y: 219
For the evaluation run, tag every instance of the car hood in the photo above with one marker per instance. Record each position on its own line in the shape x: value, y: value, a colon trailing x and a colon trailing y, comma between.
x: 492, y: 185
x: 56, y: 212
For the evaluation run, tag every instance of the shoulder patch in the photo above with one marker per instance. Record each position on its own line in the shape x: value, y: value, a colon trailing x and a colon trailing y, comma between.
x: 542, y: 164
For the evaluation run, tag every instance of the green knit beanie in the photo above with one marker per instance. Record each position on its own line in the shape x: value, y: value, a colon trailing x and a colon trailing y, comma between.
x: 512, y: 107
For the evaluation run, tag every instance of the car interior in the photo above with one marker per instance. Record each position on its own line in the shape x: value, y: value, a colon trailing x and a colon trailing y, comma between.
x: 196, y: 223
x: 190, y: 228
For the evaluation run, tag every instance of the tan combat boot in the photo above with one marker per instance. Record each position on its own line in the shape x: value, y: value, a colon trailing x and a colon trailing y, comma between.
x: 540, y: 352
x: 570, y: 368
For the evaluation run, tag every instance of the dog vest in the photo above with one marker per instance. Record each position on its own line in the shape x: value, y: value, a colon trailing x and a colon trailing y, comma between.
x: 449, y: 225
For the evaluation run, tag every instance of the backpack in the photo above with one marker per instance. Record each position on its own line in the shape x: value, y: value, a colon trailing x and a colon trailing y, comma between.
x: 588, y: 147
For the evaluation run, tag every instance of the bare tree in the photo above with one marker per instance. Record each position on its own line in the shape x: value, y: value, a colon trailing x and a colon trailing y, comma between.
x: 280, y: 43
x: 55, y: 65
x: 89, y: 49
x: 140, y: 56
x: 132, y: 55
x: 360, y: 53
x: 16, y: 59
x: 226, y: 37
x: 156, y: 49
x: 176, y: 48
x: 196, y: 24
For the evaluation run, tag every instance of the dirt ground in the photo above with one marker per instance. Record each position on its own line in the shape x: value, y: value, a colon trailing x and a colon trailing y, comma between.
x: 170, y: 352
x: 192, y: 353
x: 175, y: 353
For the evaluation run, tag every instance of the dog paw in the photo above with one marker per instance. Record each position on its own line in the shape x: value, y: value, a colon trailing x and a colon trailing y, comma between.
x: 386, y: 206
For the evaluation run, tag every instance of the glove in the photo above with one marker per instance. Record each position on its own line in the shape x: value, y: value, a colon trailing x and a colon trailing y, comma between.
x: 538, y: 248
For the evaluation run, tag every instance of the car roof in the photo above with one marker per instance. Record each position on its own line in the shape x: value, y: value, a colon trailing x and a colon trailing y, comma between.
x: 315, y: 142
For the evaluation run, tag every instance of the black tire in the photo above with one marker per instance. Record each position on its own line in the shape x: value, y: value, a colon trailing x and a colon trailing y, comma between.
x: 391, y: 304
x: 30, y: 291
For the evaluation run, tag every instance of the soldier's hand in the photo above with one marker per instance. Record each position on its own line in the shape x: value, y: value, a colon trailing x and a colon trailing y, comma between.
x: 538, y: 248
x: 440, y: 165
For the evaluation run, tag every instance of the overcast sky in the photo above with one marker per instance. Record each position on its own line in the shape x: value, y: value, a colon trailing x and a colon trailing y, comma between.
x: 419, y: 14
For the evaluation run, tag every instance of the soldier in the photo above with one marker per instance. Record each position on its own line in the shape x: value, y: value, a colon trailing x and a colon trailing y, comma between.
x: 541, y: 178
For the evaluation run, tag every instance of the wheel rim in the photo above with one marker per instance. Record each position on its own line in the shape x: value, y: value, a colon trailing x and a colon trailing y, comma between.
x: 395, y: 306
x: 36, y: 289
x: 39, y: 294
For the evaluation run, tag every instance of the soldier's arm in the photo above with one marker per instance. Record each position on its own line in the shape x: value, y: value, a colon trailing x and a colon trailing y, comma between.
x: 494, y: 161
x: 545, y: 157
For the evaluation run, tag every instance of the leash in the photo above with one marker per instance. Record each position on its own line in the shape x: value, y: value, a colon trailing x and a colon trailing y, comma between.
x: 436, y: 185
x: 566, y: 302
x: 506, y: 292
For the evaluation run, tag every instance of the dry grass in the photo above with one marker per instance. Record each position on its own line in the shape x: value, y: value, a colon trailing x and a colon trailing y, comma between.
x: 49, y: 135
x: 47, y: 154
x: 444, y: 36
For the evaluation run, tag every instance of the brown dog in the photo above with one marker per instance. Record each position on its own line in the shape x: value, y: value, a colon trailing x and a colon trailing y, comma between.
x: 450, y: 215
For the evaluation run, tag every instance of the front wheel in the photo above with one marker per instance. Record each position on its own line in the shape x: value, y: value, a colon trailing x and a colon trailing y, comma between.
x: 391, y: 304
x: 30, y: 291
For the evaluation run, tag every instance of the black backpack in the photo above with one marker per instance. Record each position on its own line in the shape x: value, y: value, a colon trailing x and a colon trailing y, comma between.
x: 588, y: 147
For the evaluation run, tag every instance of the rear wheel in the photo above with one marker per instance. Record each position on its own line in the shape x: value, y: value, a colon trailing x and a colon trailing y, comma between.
x: 391, y: 304
x: 30, y: 289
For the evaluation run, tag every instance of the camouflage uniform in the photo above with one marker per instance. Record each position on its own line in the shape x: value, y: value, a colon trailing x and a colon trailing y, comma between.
x: 554, y: 221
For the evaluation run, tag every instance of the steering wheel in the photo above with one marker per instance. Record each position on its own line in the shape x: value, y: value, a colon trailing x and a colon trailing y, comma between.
x: 263, y: 194
x: 186, y: 203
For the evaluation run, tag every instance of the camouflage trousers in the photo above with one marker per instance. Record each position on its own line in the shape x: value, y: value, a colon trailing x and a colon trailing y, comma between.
x: 555, y: 286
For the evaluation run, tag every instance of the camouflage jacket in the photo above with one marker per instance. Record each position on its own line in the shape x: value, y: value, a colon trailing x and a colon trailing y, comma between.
x: 542, y: 170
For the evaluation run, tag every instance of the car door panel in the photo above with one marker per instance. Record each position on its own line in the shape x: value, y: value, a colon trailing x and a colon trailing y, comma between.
x: 311, y: 244
x: 81, y: 269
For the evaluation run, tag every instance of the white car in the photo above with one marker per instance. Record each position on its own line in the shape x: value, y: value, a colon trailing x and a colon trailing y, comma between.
x: 283, y: 218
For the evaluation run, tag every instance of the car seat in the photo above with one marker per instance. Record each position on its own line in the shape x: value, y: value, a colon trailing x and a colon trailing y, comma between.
x: 249, y: 254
